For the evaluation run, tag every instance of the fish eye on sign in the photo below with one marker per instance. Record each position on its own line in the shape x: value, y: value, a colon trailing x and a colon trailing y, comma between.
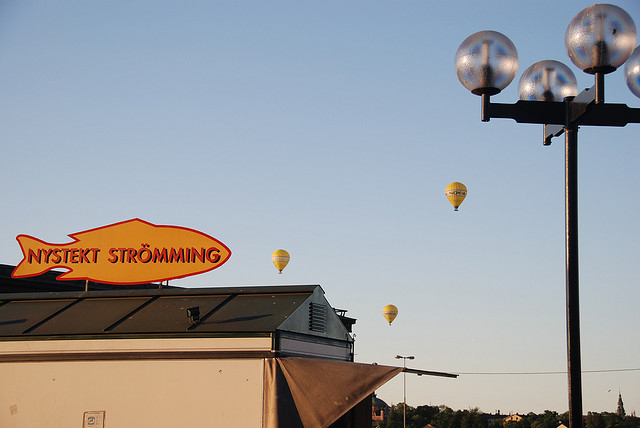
x: 129, y: 252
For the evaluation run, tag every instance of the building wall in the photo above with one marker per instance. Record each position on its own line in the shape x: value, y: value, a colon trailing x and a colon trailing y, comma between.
x: 133, y: 393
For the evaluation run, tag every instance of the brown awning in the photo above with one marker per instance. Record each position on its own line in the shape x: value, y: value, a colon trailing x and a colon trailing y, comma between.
x: 309, y: 392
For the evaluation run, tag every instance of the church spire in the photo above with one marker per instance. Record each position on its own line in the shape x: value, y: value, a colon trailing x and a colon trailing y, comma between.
x: 620, y: 410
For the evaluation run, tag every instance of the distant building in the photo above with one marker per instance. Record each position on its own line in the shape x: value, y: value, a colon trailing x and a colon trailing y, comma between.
x: 510, y: 418
x: 620, y: 410
x: 493, y: 419
x: 379, y: 410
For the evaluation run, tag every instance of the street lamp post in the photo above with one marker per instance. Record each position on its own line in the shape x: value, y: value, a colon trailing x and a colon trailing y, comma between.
x: 404, y: 387
x: 599, y: 39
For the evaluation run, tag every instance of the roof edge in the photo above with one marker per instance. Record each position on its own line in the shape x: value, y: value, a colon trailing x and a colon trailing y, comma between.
x: 259, y: 289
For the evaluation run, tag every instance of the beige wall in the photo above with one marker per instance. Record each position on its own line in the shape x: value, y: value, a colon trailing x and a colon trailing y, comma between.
x: 136, y: 394
x: 23, y: 349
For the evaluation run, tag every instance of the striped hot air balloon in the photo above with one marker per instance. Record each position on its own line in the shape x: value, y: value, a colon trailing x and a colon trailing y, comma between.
x: 390, y: 312
x: 280, y: 259
x: 456, y: 192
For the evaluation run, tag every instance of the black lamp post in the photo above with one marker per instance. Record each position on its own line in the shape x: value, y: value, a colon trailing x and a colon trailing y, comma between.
x: 599, y: 39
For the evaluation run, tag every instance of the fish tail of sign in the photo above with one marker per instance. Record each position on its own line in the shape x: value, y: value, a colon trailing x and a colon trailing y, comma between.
x: 30, y: 247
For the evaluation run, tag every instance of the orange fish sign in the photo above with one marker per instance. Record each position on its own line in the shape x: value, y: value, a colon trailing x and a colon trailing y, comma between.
x: 129, y: 252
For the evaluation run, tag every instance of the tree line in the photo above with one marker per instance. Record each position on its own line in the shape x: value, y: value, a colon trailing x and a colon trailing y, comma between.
x: 445, y: 417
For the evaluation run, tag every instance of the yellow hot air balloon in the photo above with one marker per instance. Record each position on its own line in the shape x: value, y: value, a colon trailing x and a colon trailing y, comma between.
x: 390, y: 312
x: 456, y: 192
x: 280, y: 259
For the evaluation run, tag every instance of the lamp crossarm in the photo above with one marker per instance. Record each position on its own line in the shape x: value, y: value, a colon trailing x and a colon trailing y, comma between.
x: 553, y: 113
x: 609, y: 115
x: 541, y: 112
x: 584, y: 111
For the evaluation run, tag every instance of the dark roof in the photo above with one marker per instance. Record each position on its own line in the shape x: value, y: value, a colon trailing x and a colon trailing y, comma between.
x: 166, y: 311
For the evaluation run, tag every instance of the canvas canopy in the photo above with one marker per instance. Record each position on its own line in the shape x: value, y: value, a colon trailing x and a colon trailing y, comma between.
x: 309, y: 392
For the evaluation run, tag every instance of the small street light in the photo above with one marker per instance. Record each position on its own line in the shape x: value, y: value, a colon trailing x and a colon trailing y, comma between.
x: 599, y: 40
x: 404, y: 387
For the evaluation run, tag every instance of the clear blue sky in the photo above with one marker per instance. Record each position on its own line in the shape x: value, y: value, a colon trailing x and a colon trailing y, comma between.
x: 331, y: 129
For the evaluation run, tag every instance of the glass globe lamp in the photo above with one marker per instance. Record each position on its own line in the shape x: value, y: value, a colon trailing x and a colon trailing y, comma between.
x: 632, y: 72
x: 547, y: 81
x: 486, y: 62
x: 600, y: 38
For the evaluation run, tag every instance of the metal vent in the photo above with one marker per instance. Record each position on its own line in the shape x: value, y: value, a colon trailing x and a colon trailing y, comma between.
x: 317, y: 317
